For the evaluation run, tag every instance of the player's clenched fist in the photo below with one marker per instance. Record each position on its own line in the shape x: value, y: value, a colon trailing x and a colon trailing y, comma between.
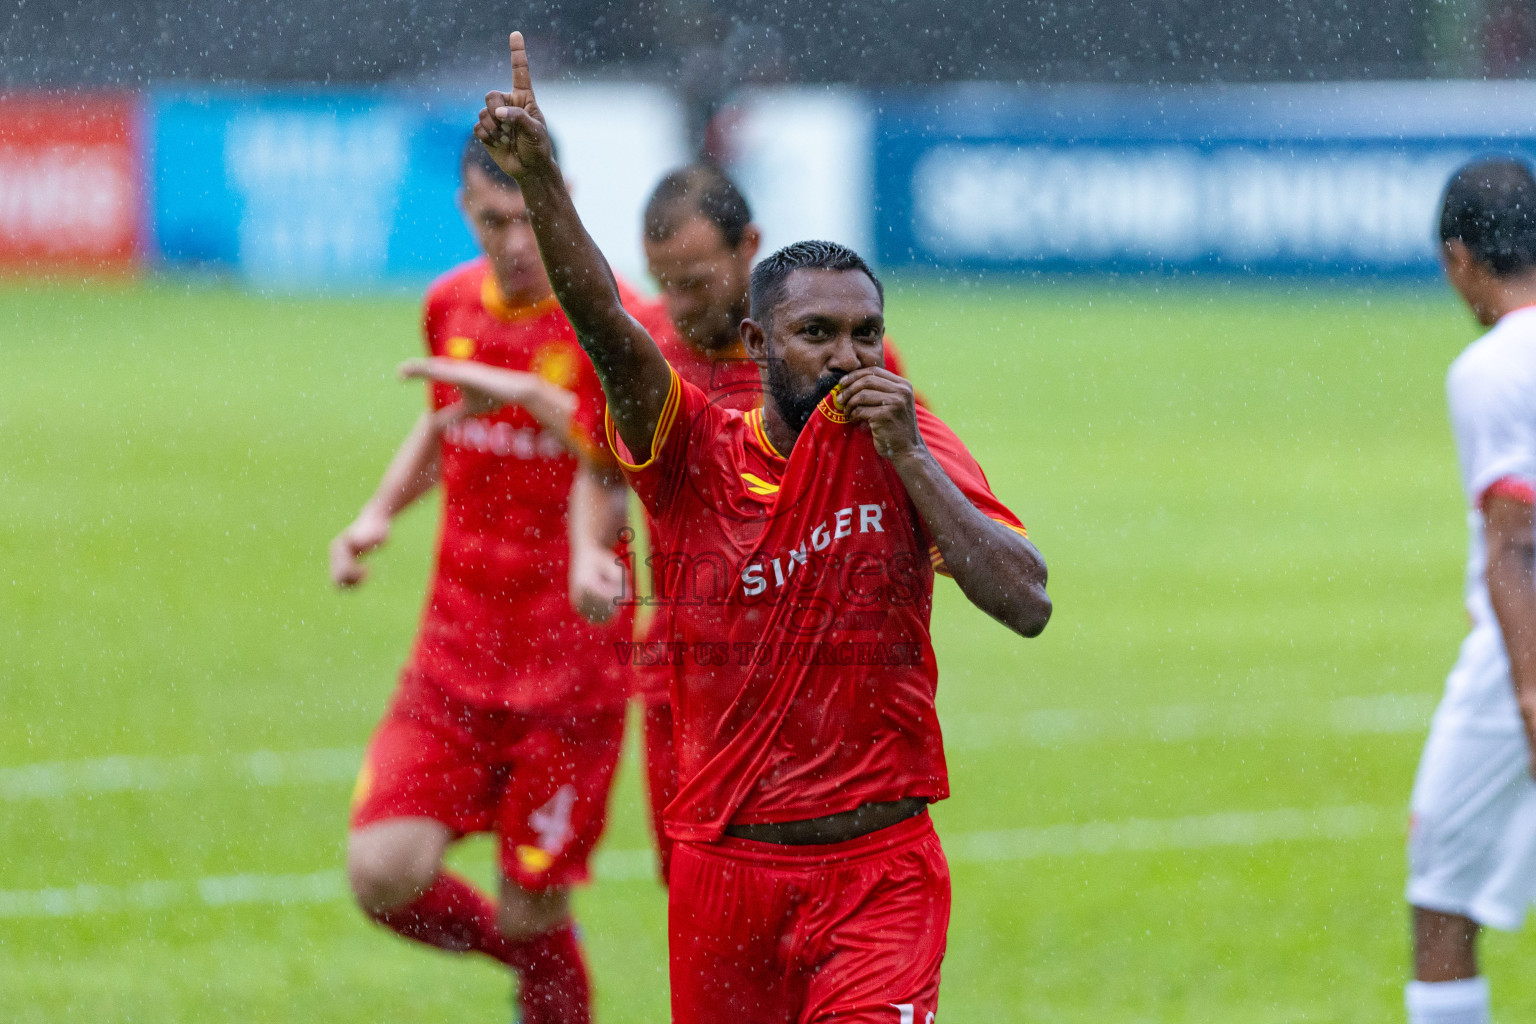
x: 875, y: 396
x: 511, y: 126
x: 368, y: 531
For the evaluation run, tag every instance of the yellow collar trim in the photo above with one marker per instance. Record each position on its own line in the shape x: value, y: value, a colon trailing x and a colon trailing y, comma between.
x: 755, y: 421
x: 496, y: 303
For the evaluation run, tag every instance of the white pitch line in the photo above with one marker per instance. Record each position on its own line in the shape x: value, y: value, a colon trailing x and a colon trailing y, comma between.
x: 51, y: 780
x: 213, y: 891
x: 1096, y: 838
x: 1155, y: 835
x: 1347, y: 716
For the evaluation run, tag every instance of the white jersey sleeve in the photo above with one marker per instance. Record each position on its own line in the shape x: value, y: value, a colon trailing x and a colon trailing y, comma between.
x: 1493, y: 412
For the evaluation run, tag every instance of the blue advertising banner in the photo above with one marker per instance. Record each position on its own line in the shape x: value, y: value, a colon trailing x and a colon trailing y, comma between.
x: 304, y: 190
x: 1288, y: 179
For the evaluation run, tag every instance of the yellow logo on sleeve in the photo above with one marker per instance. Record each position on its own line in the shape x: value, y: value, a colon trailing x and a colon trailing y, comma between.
x: 459, y: 347
x: 757, y: 485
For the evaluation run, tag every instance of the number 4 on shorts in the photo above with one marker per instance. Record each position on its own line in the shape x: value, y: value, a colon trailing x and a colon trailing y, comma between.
x: 906, y: 1011
x: 553, y: 821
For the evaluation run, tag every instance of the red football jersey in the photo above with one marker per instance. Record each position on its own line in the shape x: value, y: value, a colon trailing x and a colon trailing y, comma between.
x: 731, y: 380
x: 498, y: 629
x: 799, y: 593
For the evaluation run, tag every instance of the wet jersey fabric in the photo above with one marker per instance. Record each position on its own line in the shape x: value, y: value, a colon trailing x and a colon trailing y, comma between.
x: 498, y: 630
x: 797, y: 611
x: 1491, y: 389
x: 731, y: 381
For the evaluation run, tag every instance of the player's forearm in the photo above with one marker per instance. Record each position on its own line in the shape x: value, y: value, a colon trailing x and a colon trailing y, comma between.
x: 1512, y: 591
x: 577, y: 269
x: 1509, y: 523
x: 581, y: 277
x: 412, y: 472
x: 599, y: 508
x: 552, y: 406
x: 999, y: 570
x: 633, y: 372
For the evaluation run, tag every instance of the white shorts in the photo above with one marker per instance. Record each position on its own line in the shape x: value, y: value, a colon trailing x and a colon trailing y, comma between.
x: 1472, y: 841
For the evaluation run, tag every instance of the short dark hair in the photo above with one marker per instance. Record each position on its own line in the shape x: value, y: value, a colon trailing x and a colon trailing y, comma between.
x: 700, y: 189
x: 1490, y: 207
x: 768, y: 277
x: 476, y: 155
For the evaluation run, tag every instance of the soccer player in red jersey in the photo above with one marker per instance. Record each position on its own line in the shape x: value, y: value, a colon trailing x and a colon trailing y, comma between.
x: 807, y: 883
x: 700, y: 243
x: 509, y: 714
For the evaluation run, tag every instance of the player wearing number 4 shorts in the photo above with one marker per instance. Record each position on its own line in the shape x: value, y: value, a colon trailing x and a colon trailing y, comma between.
x: 807, y: 883
x: 509, y: 715
x: 1472, y: 848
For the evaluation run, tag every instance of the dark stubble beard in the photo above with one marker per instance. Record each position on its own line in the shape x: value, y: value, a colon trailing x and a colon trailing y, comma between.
x: 795, y: 406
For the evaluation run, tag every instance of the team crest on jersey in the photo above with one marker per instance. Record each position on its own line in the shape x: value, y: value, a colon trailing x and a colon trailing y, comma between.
x: 556, y: 363
x: 829, y: 409
x: 459, y: 347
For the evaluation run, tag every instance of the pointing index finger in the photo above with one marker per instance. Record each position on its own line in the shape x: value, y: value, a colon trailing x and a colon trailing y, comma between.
x: 522, y: 81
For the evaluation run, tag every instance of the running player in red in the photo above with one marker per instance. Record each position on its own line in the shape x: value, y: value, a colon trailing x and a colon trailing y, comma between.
x: 510, y: 712
x: 807, y: 883
x: 700, y: 244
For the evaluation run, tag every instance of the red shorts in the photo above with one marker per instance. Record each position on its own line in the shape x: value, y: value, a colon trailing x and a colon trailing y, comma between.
x: 770, y: 934
x: 660, y: 771
x: 540, y: 782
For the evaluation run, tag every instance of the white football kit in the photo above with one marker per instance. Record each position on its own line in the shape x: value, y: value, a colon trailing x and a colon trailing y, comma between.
x: 1472, y: 847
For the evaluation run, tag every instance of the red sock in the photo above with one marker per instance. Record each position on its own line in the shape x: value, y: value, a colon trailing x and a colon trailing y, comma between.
x: 451, y: 915
x: 554, y: 986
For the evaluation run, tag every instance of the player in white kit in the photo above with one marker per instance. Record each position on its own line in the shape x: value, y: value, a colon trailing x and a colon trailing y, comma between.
x: 1472, y: 848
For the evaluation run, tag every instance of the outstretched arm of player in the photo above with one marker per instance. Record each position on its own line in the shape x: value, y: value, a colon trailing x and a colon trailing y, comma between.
x: 411, y: 473
x: 999, y: 570
x: 599, y: 509
x: 634, y: 374
x: 487, y: 388
x: 1508, y: 524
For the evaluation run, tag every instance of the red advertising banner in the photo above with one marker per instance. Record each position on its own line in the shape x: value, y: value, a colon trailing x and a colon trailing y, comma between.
x: 71, y: 185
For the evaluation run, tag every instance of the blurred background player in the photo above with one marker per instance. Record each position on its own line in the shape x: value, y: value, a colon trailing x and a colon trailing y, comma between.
x: 700, y: 244
x: 1472, y: 849
x: 509, y: 715
x: 807, y: 883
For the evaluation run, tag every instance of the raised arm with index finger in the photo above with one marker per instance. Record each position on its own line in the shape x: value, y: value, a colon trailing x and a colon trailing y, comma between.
x: 634, y: 373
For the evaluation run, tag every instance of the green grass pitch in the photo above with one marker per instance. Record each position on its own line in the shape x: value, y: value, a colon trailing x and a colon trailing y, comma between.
x: 1247, y: 498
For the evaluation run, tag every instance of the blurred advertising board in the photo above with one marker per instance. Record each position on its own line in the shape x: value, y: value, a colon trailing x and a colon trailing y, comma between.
x: 1278, y: 179
x: 348, y: 190
x: 71, y: 191
x: 299, y: 190
x: 802, y: 156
